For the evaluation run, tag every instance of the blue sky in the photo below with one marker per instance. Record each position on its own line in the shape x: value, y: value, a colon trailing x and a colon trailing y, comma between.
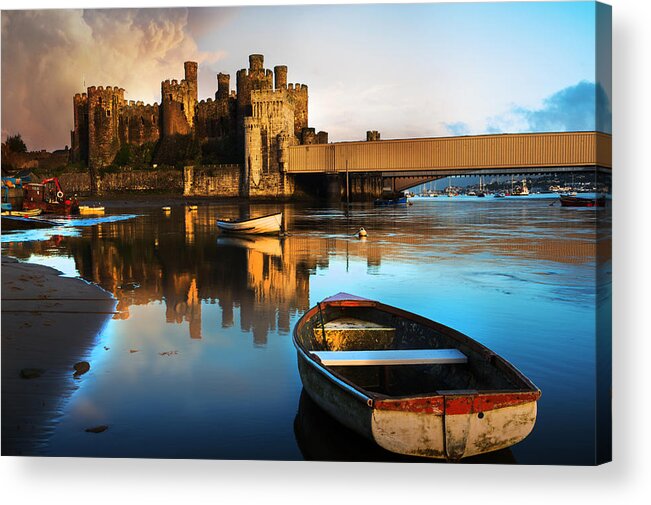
x: 407, y: 70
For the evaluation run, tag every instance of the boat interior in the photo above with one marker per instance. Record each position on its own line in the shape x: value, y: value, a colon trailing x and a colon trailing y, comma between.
x: 346, y: 330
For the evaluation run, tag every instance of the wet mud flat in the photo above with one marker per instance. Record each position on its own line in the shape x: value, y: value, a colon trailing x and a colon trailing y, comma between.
x: 49, y: 323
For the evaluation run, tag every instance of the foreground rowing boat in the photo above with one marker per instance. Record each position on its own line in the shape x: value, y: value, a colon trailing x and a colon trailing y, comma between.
x: 259, y: 225
x: 410, y: 384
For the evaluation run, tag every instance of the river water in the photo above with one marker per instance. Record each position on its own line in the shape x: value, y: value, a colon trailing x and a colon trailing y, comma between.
x: 199, y: 363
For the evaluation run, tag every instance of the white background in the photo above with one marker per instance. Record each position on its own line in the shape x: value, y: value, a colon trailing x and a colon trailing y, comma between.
x: 626, y: 480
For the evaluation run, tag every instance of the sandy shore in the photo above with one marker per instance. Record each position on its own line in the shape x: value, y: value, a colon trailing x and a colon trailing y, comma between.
x: 49, y: 323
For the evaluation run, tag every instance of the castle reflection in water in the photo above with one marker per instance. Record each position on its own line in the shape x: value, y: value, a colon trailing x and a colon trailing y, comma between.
x: 179, y: 258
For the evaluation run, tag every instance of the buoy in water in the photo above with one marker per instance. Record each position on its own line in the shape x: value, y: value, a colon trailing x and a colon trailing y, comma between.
x: 362, y: 232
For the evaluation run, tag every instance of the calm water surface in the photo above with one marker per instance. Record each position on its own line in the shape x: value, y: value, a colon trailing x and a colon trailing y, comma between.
x: 199, y: 361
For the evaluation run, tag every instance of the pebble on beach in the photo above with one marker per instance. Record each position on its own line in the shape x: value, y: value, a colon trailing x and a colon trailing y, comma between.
x: 81, y: 368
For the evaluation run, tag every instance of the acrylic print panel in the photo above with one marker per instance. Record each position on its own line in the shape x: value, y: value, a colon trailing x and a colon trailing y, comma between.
x: 445, y: 166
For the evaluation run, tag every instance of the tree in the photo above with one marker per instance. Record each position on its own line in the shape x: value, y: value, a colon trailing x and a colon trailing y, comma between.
x: 15, y: 144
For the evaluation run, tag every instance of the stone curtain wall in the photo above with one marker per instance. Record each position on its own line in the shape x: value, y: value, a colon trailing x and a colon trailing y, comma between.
x: 212, y: 180
x: 161, y: 181
x: 205, y: 180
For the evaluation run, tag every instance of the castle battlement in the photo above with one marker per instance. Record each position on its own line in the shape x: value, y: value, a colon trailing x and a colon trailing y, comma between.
x: 268, y: 93
x: 139, y: 106
x: 297, y: 87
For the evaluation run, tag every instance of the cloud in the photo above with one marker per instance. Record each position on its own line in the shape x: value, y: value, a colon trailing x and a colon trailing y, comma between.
x: 582, y: 107
x: 49, y: 55
x: 458, y: 128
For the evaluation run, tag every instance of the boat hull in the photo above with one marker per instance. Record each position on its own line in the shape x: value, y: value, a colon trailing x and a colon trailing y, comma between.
x: 448, y: 425
x: 573, y: 201
x: 23, y: 213
x: 258, y: 226
x: 412, y: 430
x: 392, y: 201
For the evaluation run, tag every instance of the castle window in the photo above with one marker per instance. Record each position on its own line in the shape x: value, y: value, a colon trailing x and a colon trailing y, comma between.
x: 182, y: 108
x: 108, y: 113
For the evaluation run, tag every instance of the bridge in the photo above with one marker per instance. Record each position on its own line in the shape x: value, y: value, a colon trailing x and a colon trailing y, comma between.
x: 405, y: 163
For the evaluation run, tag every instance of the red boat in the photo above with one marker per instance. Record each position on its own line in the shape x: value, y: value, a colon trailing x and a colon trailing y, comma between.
x: 574, y: 201
x: 49, y: 197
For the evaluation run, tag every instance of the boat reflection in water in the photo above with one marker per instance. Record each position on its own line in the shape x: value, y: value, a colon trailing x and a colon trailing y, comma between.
x: 271, y: 246
x: 322, y: 438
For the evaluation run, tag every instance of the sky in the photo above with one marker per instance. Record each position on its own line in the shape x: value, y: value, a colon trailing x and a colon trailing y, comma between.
x: 406, y: 70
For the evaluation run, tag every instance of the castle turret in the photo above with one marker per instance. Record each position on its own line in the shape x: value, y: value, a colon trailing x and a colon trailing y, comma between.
x: 280, y: 76
x: 223, y: 85
x: 256, y: 62
x: 191, y: 68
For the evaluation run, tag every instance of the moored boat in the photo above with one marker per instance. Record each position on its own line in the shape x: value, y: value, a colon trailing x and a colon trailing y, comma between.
x: 49, y: 197
x: 412, y: 385
x: 23, y: 213
x: 574, y: 201
x: 271, y: 223
x: 87, y: 209
x: 391, y: 201
x: 522, y: 190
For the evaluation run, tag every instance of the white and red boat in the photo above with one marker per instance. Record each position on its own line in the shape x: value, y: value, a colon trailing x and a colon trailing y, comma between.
x: 412, y: 385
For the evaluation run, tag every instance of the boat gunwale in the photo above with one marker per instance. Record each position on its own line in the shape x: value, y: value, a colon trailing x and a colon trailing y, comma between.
x: 378, y: 400
x: 240, y: 221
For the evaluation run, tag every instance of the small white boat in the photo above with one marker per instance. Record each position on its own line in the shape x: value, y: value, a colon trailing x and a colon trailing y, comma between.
x: 259, y: 225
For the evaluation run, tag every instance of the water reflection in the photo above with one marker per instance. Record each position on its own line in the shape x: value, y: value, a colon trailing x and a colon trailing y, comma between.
x: 180, y: 259
x: 494, y: 270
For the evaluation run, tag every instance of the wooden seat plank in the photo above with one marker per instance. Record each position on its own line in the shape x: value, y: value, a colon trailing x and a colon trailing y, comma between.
x: 391, y: 357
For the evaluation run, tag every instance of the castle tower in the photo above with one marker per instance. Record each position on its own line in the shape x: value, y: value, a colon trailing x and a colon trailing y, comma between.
x: 255, y: 78
x: 178, y: 102
x: 103, y: 113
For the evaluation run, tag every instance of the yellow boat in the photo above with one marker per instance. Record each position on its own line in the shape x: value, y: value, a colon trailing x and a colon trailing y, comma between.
x: 86, y: 209
x: 23, y: 213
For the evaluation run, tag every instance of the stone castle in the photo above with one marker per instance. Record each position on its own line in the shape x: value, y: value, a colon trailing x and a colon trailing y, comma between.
x: 259, y: 120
